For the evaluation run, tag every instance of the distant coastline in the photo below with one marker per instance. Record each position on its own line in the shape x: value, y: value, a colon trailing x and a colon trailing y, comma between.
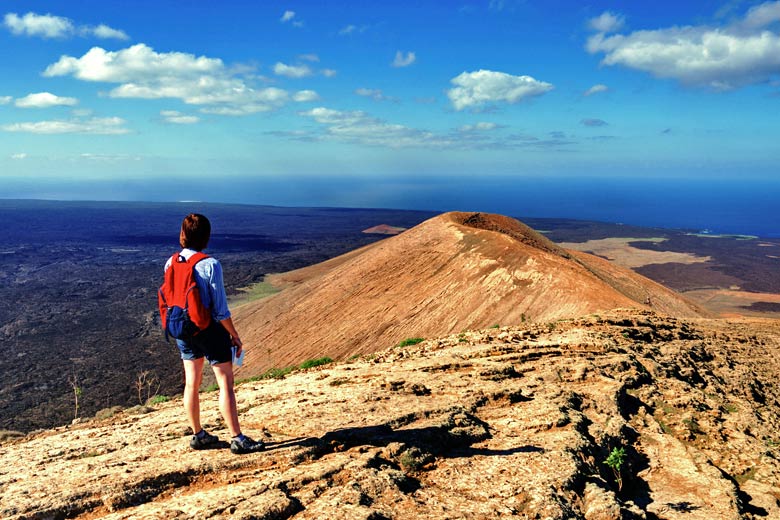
x: 716, y: 207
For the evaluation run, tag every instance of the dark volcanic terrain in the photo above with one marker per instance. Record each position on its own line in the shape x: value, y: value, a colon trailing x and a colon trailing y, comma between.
x: 78, y: 290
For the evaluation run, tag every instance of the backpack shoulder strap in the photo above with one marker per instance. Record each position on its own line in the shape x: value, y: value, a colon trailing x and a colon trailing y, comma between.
x: 197, y: 257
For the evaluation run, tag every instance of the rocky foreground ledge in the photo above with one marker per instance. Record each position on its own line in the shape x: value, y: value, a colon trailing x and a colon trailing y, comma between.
x: 503, y: 422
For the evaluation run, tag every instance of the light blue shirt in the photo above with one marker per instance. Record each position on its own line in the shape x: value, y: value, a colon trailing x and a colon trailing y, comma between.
x: 208, y: 276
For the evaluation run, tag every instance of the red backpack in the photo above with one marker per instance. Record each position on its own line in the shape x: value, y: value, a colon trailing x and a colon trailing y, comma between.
x: 181, y: 309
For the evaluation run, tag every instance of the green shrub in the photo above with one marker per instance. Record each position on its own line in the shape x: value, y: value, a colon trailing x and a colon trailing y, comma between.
x: 210, y: 388
x: 276, y: 373
x: 410, y: 341
x: 496, y: 326
x: 157, y: 399
x: 414, y: 459
x: 615, y: 461
x: 310, y: 363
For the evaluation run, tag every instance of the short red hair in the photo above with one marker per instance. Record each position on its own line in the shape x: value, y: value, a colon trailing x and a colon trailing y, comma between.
x: 195, y: 232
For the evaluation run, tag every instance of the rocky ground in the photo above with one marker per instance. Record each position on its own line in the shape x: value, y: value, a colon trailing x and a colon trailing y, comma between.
x: 483, y: 424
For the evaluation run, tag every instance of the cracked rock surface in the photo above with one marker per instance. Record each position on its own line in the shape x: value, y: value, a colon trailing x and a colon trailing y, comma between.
x: 516, y: 421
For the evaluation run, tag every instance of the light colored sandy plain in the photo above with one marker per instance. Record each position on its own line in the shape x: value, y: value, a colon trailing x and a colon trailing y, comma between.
x: 619, y: 250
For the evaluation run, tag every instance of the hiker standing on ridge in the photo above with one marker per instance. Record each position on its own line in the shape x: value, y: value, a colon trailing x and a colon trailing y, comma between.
x: 214, y: 342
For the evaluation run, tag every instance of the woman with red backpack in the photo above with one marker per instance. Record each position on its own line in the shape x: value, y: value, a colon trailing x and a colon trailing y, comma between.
x: 194, y: 310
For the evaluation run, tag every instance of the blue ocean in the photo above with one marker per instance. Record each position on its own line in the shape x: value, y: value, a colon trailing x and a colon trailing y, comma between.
x: 721, y: 206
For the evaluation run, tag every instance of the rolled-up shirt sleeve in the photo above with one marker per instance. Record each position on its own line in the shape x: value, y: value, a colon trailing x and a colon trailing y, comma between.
x: 219, y: 305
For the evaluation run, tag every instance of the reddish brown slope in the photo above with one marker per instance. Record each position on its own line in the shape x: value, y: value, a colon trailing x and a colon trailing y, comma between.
x: 454, y: 272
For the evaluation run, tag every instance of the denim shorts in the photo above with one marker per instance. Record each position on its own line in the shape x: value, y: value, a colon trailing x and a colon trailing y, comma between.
x: 214, y: 343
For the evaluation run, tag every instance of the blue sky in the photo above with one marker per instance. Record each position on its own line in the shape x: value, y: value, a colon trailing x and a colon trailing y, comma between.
x: 373, y: 103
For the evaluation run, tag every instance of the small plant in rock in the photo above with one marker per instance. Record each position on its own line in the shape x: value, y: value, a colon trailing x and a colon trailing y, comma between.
x: 311, y: 363
x: 157, y: 399
x: 615, y: 461
x: 146, y: 384
x: 410, y: 341
x: 75, y: 384
x: 414, y: 459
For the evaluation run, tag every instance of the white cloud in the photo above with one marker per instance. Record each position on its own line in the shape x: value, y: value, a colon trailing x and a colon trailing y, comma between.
x: 292, y: 71
x: 303, y: 96
x: 96, y: 125
x: 351, y: 29
x: 288, y: 17
x: 328, y: 73
x: 45, y: 26
x: 721, y: 58
x: 404, y: 60
x: 81, y: 112
x: 482, y: 126
x: 175, y: 117
x: 373, y: 93
x: 595, y: 89
x: 106, y: 157
x: 135, y: 63
x: 236, y: 110
x: 309, y: 57
x: 18, y: 156
x: 50, y: 26
x: 107, y: 33
x: 4, y: 100
x: 357, y: 127
x: 44, y: 100
x: 762, y: 15
x: 607, y: 22
x: 474, y: 89
x: 197, y: 80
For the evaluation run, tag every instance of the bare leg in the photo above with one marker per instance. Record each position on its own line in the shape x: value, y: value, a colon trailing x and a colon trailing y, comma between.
x: 193, y: 375
x: 227, y: 397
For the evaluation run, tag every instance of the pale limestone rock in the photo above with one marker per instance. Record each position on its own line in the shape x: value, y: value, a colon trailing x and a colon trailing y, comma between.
x: 516, y: 423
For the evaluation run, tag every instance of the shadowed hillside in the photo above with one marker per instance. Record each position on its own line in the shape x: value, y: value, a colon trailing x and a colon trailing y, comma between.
x: 453, y: 272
